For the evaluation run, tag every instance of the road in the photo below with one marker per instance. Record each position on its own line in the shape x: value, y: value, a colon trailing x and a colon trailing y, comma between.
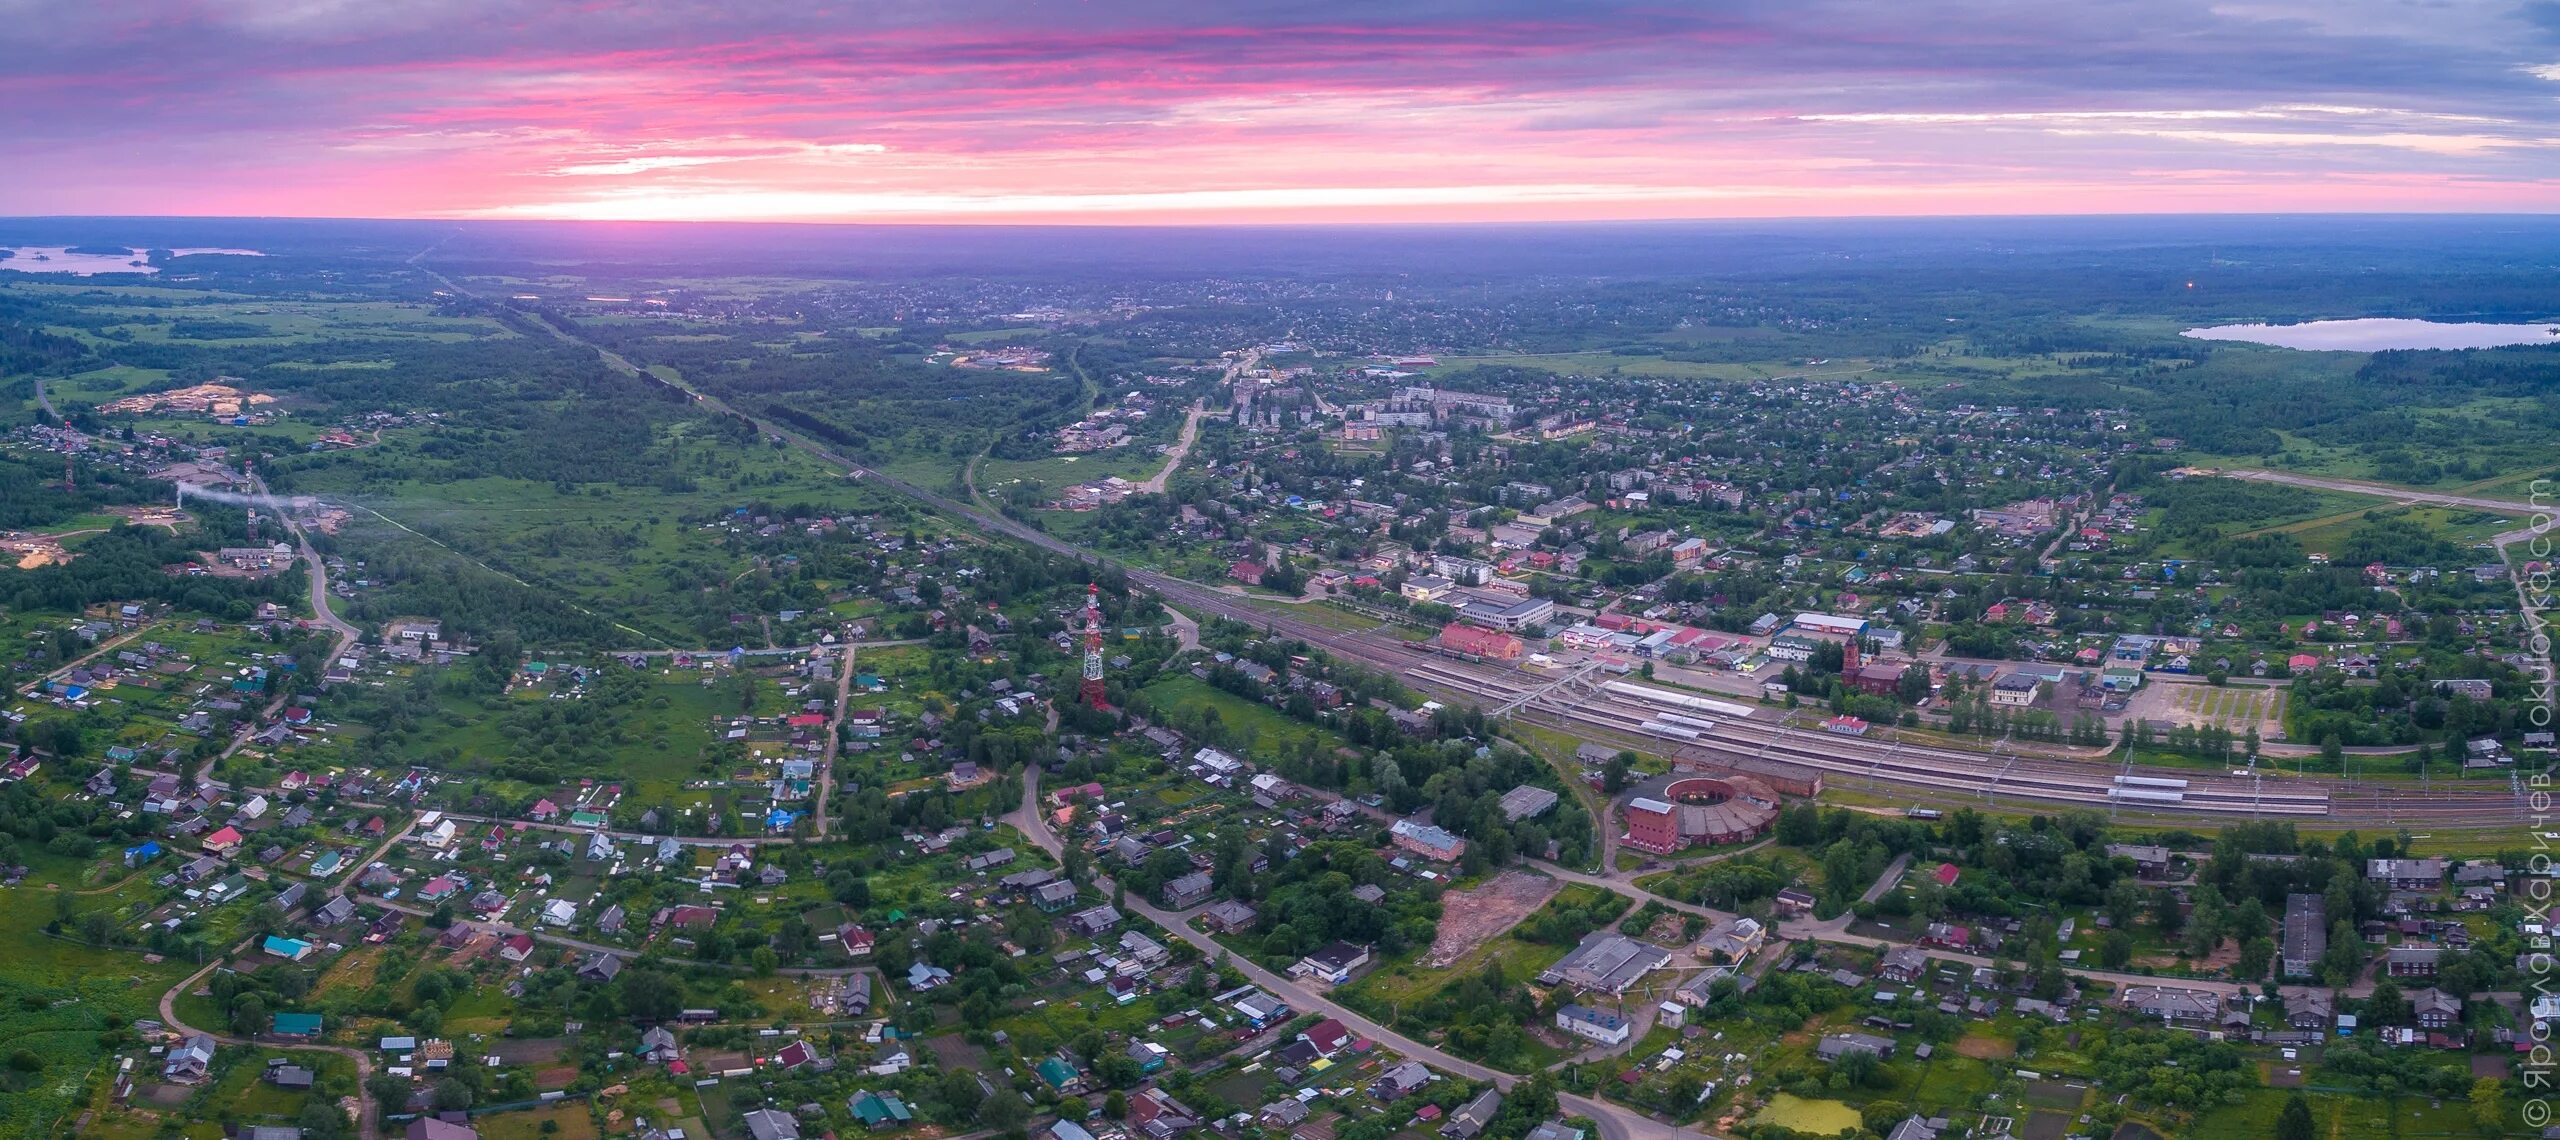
x: 835, y: 738
x: 366, y: 1124
x: 2529, y: 604
x: 579, y: 944
x: 2434, y: 808
x: 320, y: 609
x: 1181, y: 448
x: 1615, y: 1122
x: 2379, y: 490
x: 1191, y: 424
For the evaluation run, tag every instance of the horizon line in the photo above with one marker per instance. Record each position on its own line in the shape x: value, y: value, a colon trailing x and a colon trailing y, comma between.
x: 1046, y: 222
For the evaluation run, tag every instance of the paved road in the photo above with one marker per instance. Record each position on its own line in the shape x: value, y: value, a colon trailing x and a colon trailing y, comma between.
x: 1181, y: 448
x: 2379, y: 490
x: 1616, y: 1122
x: 1886, y: 881
x: 320, y: 609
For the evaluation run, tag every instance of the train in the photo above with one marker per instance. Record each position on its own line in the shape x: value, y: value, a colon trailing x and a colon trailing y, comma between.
x: 2151, y: 782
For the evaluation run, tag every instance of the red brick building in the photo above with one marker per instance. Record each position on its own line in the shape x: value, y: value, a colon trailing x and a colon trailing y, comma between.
x: 1471, y: 640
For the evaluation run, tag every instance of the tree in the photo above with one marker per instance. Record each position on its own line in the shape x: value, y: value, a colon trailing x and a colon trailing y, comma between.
x: 390, y: 1093
x: 452, y: 1095
x: 1613, y: 779
x: 1881, y: 1115
x: 2255, y: 954
x: 2294, y: 1123
x: 2165, y: 913
x: 2344, y: 959
x: 2124, y: 904
x: 960, y: 1090
x: 1003, y: 1111
x: 321, y: 1120
x: 1115, y: 1104
x: 649, y: 995
x: 2488, y: 1105
x: 249, y: 1015
x: 2116, y: 950
x: 1854, y: 1067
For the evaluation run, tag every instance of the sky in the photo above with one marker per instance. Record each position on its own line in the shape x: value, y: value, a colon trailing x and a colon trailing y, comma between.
x: 1142, y: 111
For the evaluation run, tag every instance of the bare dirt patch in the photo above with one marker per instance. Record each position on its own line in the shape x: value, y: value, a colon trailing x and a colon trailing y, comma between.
x: 1986, y: 1048
x: 955, y: 1052
x: 1471, y: 918
x: 532, y: 1051
x: 1666, y: 929
x: 2223, y: 957
x: 2488, y: 1065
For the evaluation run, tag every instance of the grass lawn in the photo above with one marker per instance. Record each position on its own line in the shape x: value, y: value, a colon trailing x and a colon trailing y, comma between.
x: 572, y: 1118
x: 1811, y: 1117
x: 1263, y: 729
x: 2365, y: 1118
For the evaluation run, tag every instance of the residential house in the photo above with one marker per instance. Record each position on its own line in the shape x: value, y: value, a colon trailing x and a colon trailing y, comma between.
x: 1471, y: 1118
x: 1839, y: 1045
x: 190, y: 1062
x: 2175, y: 1006
x: 1400, y: 1082
x: 771, y: 1124
x: 1188, y: 891
x: 2149, y: 862
x: 2435, y: 1009
x: 1903, y: 964
x: 1331, y: 964
x: 2407, y: 874
x: 1228, y: 916
x: 2306, y: 934
x: 1604, y: 1026
x: 2413, y: 961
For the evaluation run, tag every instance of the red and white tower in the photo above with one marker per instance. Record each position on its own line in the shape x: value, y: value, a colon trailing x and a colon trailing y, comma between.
x: 1093, y: 647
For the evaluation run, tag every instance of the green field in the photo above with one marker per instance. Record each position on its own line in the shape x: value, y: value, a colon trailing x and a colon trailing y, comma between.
x: 1258, y: 729
x: 1811, y: 1117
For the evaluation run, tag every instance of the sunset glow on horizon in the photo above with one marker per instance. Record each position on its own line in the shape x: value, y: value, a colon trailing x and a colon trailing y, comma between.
x: 1131, y: 112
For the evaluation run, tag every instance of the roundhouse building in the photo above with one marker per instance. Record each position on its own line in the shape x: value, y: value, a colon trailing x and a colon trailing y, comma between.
x: 1669, y: 813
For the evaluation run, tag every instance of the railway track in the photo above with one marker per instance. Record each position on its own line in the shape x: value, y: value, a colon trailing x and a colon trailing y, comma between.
x: 1955, y: 776
x: 1916, y: 771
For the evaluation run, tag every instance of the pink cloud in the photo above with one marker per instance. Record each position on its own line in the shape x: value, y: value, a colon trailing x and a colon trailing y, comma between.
x: 617, y: 112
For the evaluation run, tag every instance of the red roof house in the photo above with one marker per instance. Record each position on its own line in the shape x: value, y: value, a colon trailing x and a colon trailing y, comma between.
x: 1329, y: 1036
x: 1947, y: 874
x: 1461, y: 638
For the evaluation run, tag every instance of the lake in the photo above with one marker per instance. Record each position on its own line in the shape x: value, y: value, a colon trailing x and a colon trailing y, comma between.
x: 60, y: 259
x: 2376, y: 334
